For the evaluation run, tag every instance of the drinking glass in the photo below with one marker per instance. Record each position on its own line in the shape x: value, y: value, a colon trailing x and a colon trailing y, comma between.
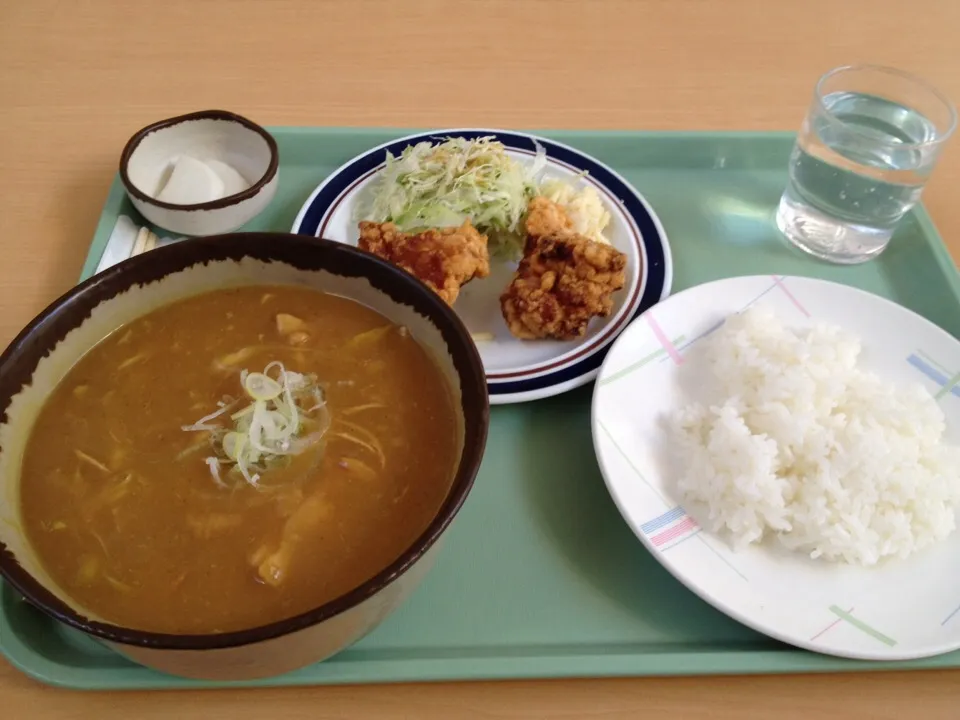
x: 870, y: 139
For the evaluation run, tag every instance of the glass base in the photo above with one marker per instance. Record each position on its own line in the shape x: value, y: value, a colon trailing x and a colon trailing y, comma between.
x: 827, y: 237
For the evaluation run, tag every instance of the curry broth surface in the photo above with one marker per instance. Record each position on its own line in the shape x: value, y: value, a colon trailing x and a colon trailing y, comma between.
x: 126, y: 517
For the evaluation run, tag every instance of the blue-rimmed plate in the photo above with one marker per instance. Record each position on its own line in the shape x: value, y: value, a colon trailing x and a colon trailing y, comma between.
x: 520, y: 370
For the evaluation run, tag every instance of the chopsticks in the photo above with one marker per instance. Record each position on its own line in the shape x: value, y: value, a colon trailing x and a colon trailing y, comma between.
x: 128, y: 239
x: 146, y: 240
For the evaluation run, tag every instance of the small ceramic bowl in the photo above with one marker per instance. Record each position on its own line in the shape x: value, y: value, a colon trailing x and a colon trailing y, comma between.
x: 237, y: 146
x: 38, y: 358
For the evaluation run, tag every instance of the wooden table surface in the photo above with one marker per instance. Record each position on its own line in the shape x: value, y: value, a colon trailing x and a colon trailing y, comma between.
x: 76, y: 80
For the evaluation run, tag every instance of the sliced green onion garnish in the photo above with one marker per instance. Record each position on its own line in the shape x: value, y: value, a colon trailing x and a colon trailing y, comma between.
x: 261, y: 387
x: 232, y: 445
x: 286, y: 415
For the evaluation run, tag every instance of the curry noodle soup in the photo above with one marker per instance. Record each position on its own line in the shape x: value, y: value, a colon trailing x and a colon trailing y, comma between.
x: 237, y: 458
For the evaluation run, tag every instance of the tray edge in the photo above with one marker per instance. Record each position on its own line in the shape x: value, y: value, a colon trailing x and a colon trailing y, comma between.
x: 733, y: 662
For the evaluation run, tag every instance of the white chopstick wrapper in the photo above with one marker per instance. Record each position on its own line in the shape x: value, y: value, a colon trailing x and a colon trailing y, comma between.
x: 120, y: 244
x: 129, y: 239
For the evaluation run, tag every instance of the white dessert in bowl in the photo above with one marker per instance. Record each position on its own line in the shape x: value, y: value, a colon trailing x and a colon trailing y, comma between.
x: 200, y: 174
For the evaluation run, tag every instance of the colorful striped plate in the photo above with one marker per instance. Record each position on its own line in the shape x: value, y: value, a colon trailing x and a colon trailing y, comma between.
x: 900, y: 609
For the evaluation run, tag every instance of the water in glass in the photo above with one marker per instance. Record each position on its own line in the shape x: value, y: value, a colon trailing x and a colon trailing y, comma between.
x: 855, y: 170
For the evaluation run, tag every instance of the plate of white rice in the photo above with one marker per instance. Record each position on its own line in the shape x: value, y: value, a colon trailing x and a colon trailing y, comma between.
x: 789, y: 449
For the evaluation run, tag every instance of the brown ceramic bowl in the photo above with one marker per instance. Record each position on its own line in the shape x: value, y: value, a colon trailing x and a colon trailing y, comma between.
x: 40, y: 356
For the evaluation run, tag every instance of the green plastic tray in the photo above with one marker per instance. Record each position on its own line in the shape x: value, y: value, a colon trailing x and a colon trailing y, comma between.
x: 540, y: 577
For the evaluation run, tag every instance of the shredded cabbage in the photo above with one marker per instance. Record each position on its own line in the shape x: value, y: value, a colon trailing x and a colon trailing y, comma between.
x: 445, y: 184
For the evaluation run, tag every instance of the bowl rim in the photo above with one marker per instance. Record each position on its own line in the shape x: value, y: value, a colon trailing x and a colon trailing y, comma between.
x: 134, y: 142
x: 305, y: 253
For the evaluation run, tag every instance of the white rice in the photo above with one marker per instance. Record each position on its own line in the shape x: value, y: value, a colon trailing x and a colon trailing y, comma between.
x: 803, y: 445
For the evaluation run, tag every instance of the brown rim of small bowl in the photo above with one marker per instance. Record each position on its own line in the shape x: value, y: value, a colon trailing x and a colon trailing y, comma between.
x: 18, y: 364
x: 223, y: 202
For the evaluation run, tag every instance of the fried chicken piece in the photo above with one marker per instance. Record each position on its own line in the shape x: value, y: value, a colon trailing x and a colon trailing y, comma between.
x: 563, y: 281
x: 545, y: 217
x: 444, y: 259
